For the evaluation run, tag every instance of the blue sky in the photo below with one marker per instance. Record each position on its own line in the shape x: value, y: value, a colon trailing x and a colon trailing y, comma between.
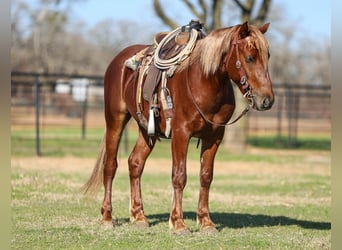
x: 312, y: 16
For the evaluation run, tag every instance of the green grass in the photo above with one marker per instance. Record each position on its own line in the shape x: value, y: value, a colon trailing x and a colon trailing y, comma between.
x: 67, y: 141
x: 302, y: 142
x: 250, y: 210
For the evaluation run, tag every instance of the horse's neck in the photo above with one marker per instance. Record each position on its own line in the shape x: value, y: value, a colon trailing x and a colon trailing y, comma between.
x: 216, y: 82
x: 216, y: 88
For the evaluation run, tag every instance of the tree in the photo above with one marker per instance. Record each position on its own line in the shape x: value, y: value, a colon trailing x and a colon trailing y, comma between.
x: 112, y: 36
x: 43, y: 44
x: 213, y: 14
x: 46, y: 39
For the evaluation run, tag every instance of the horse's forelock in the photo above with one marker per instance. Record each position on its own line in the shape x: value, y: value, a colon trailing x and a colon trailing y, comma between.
x: 261, y: 44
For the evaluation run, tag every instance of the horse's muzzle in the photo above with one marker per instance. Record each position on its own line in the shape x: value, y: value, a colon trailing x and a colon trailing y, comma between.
x: 264, y: 103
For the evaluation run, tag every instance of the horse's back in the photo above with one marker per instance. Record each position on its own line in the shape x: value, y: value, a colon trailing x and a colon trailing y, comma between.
x: 115, y: 67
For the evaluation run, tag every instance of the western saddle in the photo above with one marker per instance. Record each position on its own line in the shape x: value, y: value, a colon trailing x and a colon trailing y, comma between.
x: 155, y: 64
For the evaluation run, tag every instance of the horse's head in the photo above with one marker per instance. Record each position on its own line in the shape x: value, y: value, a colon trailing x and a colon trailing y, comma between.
x: 248, y: 65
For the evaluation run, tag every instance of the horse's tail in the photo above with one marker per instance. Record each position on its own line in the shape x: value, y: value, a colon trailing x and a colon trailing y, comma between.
x: 93, y: 185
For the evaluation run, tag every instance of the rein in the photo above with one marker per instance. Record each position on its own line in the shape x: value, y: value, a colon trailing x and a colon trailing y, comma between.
x: 243, y: 81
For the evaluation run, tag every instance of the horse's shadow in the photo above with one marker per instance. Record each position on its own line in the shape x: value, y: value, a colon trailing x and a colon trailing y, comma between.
x: 237, y: 220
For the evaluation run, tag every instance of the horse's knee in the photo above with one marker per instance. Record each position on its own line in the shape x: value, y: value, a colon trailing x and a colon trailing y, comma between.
x: 206, y: 179
x: 135, y: 166
x: 179, y: 179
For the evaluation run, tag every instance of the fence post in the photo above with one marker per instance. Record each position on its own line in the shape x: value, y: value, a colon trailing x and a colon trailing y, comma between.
x: 292, y: 112
x: 296, y: 112
x: 37, y: 104
x: 84, y: 112
x: 279, y: 118
x: 289, y: 100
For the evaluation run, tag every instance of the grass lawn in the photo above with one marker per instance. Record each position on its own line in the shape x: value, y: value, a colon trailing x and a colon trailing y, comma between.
x: 266, y: 199
x: 67, y: 141
x: 277, y: 206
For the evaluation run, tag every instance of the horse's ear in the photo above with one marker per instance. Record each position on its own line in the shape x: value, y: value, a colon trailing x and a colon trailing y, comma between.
x: 264, y: 28
x: 244, y: 30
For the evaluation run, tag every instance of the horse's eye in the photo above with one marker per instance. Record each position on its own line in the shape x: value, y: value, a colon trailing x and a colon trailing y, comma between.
x: 249, y: 59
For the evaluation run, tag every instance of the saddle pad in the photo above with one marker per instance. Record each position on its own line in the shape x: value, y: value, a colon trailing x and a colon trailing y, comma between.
x: 151, y: 81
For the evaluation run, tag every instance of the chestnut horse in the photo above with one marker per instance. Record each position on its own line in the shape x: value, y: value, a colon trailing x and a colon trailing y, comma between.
x: 203, y: 102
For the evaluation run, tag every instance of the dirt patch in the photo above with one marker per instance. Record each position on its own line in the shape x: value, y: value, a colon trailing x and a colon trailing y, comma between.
x: 60, y: 164
x: 317, y: 163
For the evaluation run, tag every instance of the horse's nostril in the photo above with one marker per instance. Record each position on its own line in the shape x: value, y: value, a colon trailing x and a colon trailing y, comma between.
x: 266, y: 102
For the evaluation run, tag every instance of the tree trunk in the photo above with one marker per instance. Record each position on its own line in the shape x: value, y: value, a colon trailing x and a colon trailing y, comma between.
x: 235, y: 138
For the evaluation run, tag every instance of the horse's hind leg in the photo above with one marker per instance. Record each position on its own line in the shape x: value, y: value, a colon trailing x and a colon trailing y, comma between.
x: 136, y: 163
x: 114, y: 131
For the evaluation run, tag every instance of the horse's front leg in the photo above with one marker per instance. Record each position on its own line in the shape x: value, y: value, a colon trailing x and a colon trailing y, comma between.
x: 208, y: 152
x: 179, y: 147
x: 136, y: 163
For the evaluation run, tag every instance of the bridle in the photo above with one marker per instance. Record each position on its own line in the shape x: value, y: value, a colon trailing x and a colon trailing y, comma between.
x: 243, y: 76
x: 243, y: 81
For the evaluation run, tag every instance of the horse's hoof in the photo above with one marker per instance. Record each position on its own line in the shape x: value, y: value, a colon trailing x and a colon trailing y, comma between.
x: 141, y: 224
x: 106, y: 224
x: 182, y: 232
x: 209, y: 230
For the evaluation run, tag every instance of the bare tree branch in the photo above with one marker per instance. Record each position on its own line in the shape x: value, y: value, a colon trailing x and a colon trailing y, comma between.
x: 192, y: 8
x: 217, y: 9
x: 241, y: 6
x: 247, y: 8
x: 264, y: 9
x: 247, y: 11
x: 204, y: 8
x: 161, y: 14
